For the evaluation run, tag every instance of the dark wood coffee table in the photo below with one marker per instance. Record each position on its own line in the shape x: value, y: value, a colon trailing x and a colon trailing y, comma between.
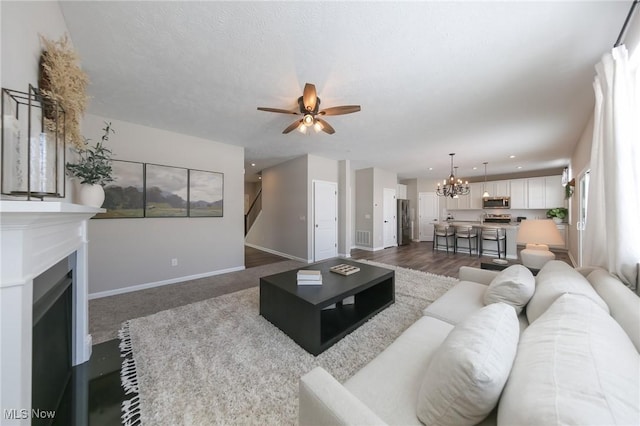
x: 314, y: 316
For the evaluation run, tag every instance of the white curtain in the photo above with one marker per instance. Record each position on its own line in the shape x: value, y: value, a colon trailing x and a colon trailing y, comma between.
x: 612, y: 233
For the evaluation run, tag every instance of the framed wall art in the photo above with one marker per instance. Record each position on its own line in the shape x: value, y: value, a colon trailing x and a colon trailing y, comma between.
x: 124, y: 197
x: 206, y: 193
x: 166, y: 190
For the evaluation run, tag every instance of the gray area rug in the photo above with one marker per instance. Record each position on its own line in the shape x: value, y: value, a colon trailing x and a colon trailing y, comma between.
x: 219, y: 362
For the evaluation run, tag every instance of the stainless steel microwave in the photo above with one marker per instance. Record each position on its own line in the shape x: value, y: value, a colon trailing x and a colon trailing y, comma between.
x: 496, y: 203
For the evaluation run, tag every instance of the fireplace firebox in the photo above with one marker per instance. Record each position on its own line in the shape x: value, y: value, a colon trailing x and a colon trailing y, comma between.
x: 51, y: 340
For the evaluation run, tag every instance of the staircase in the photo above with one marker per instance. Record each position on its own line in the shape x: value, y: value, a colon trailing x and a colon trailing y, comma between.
x: 252, y: 213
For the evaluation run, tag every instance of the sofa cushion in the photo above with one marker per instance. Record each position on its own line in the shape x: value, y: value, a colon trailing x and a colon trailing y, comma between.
x: 623, y: 303
x: 553, y: 280
x: 575, y: 365
x: 514, y: 286
x: 458, y: 302
x: 466, y: 375
x: 389, y: 384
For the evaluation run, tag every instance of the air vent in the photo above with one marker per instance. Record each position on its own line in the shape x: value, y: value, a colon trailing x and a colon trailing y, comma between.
x: 363, y: 238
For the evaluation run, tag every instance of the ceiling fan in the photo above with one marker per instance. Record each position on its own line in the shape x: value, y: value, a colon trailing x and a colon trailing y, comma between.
x: 309, y: 108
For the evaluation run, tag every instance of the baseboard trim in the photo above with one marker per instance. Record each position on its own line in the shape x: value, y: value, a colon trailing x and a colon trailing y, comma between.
x: 369, y: 248
x: 278, y: 253
x: 177, y: 280
x: 344, y: 255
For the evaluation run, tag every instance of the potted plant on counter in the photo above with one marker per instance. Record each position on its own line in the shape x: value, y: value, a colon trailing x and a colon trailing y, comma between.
x: 558, y: 214
x: 92, y: 169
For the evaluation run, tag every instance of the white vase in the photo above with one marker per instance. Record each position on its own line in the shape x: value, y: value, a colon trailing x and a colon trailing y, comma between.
x: 91, y: 195
x: 557, y: 220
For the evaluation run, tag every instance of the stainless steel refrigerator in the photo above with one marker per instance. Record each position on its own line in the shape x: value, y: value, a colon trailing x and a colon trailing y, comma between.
x: 404, y: 223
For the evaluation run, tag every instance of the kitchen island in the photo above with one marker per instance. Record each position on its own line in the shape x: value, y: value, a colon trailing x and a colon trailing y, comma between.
x: 511, y: 230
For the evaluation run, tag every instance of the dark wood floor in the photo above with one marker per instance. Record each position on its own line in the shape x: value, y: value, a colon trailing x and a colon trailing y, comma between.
x: 421, y: 256
x: 254, y: 257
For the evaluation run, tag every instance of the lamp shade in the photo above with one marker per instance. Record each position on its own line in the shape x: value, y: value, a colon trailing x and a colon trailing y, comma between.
x: 539, y: 232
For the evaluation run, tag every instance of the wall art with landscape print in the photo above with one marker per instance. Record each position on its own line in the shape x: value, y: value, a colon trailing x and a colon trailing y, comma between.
x: 166, y: 191
x: 124, y: 197
x: 205, y: 193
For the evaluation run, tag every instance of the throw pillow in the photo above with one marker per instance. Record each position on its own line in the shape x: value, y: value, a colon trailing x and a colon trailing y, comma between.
x: 575, y: 366
x: 514, y: 285
x: 467, y: 373
x: 555, y: 279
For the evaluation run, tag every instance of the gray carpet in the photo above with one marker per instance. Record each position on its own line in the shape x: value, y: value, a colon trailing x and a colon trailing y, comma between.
x: 219, y: 362
x: 107, y: 314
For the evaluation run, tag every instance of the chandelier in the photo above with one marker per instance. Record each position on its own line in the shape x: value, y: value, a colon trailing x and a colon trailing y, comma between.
x: 453, y: 186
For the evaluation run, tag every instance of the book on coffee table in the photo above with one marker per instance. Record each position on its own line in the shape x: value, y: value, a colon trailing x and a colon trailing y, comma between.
x: 309, y: 277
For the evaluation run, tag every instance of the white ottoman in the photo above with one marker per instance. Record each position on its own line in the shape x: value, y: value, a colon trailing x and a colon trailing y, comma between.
x: 535, y: 256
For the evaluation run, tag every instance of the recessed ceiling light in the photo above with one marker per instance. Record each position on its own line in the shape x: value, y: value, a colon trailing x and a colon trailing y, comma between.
x: 253, y: 164
x: 430, y: 168
x: 512, y: 156
x: 260, y: 177
x: 475, y: 168
x: 519, y: 167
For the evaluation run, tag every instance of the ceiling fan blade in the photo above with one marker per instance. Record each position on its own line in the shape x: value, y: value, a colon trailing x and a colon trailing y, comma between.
x: 339, y: 110
x: 326, y: 127
x: 281, y: 111
x: 309, y: 97
x: 292, y: 126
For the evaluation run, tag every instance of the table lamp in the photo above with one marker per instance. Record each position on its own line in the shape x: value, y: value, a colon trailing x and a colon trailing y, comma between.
x: 538, y: 235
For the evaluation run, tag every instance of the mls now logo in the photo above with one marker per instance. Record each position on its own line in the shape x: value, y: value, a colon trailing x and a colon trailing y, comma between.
x: 22, y: 414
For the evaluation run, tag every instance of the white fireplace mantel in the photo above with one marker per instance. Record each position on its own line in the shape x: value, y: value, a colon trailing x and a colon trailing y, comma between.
x: 35, y: 235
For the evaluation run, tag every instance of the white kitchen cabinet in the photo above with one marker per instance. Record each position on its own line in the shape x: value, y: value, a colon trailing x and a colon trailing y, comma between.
x: 475, y: 197
x: 464, y: 202
x: 452, y: 203
x: 535, y: 193
x: 553, y: 192
x: 519, y: 194
x: 502, y: 188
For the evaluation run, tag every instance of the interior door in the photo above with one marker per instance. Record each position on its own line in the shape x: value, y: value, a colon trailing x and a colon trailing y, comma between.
x: 325, y: 218
x: 389, y: 210
x: 427, y: 214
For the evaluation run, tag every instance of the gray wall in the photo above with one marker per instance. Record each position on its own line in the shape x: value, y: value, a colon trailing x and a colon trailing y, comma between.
x: 364, y: 205
x: 282, y: 226
x: 285, y: 225
x: 137, y: 252
x: 21, y: 22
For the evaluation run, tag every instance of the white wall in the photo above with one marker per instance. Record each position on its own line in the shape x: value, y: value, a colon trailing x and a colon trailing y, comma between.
x: 127, y: 254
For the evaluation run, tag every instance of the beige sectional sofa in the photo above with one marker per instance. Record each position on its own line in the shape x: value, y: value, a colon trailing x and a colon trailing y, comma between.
x: 500, y: 348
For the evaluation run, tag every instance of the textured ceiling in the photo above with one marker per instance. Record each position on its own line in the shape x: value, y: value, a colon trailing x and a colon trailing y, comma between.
x: 486, y: 80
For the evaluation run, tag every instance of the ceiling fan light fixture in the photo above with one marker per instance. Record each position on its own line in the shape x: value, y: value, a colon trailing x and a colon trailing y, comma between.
x: 317, y: 126
x: 308, y: 120
x: 302, y: 128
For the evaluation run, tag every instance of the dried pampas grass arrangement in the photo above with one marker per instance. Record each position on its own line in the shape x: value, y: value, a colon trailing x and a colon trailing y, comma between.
x: 63, y: 81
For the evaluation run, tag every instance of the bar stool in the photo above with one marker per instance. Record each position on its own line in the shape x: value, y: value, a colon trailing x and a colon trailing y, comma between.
x: 496, y: 235
x: 468, y: 233
x: 442, y: 231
